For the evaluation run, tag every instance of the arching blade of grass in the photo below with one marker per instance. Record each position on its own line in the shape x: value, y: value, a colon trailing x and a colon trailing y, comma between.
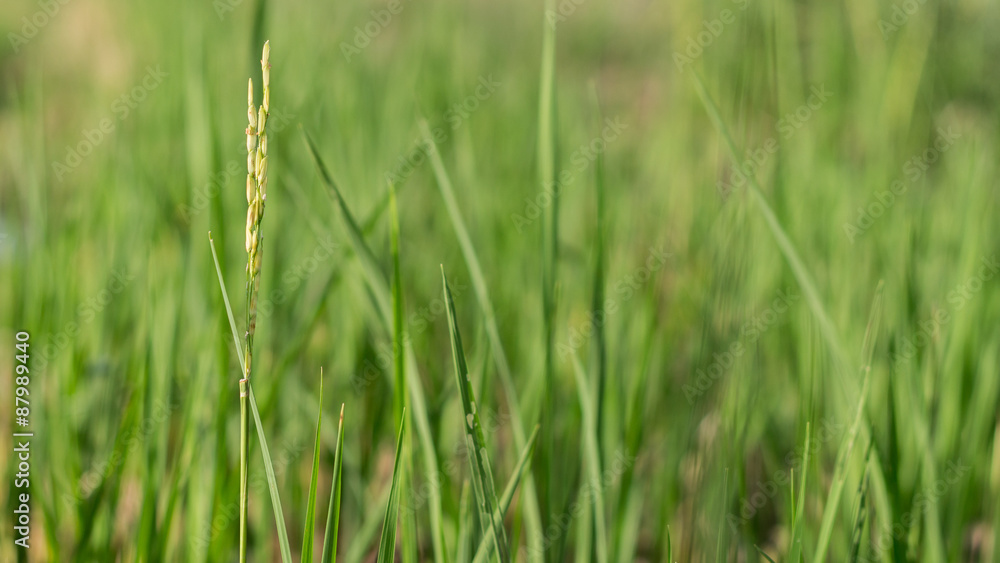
x: 482, y: 474
x: 520, y: 472
x: 272, y: 483
x: 592, y: 459
x: 333, y: 512
x: 840, y: 469
x: 229, y: 308
x: 310, y: 523
x: 532, y: 514
x: 387, y: 545
x: 379, y: 289
x: 826, y: 327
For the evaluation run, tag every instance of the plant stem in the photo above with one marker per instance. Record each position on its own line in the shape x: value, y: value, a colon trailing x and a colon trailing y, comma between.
x: 244, y: 465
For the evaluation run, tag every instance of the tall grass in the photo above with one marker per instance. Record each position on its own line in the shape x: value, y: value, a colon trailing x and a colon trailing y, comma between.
x: 537, y: 405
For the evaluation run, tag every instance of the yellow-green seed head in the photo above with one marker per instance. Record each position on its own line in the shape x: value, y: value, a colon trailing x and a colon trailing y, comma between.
x: 262, y: 168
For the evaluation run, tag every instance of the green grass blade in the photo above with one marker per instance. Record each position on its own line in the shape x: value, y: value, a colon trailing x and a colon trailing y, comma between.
x: 310, y: 523
x: 764, y: 555
x: 333, y: 512
x: 795, y: 551
x: 482, y: 474
x: 529, y: 497
x: 861, y: 514
x: 354, y: 233
x: 840, y: 469
x: 272, y: 483
x: 399, y: 396
x: 464, y: 537
x: 592, y: 459
x: 547, y: 169
x: 379, y: 288
x: 520, y: 472
x: 387, y: 545
x: 229, y: 309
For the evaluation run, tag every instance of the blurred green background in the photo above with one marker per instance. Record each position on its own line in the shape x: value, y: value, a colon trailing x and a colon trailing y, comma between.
x: 870, y: 127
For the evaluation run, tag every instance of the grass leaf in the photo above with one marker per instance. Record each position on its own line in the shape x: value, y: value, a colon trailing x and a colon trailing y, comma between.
x: 592, y: 459
x: 333, y: 512
x: 310, y: 523
x: 272, y: 482
x: 520, y: 472
x: 482, y: 475
x: 529, y: 497
x: 387, y: 545
x: 379, y: 289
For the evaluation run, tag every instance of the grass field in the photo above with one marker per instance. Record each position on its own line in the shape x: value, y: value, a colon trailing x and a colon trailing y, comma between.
x: 723, y: 275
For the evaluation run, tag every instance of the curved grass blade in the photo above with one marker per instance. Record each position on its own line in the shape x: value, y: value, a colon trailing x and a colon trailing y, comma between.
x: 482, y: 475
x: 520, y: 472
x: 387, y: 545
x: 532, y: 513
x: 272, y: 482
x: 310, y: 523
x: 229, y: 309
x: 333, y: 512
x: 840, y: 469
x: 379, y: 289
x: 826, y: 329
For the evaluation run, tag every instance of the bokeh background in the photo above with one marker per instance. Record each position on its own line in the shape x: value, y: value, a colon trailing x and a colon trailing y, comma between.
x: 734, y: 324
